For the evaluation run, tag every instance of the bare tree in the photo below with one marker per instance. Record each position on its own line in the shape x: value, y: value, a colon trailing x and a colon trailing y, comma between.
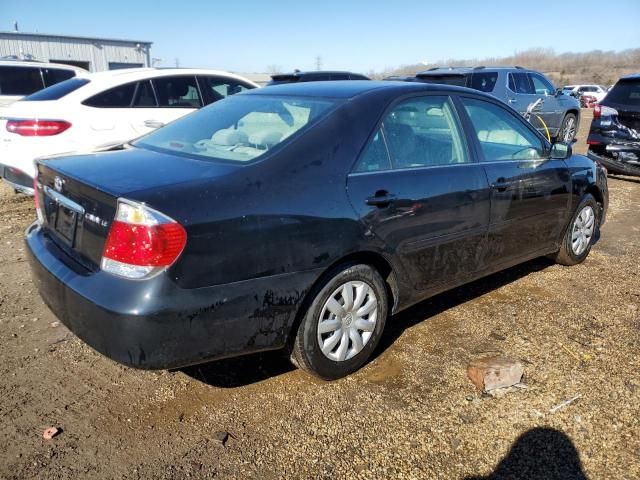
x: 272, y: 69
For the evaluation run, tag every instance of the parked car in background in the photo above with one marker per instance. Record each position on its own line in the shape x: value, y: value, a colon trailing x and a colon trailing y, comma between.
x: 100, y: 110
x: 314, y: 76
x: 596, y: 91
x: 300, y: 217
x: 614, y: 137
x: 518, y: 87
x: 588, y: 101
x: 19, y: 78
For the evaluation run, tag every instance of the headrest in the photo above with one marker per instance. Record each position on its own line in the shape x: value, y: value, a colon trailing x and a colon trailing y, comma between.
x: 229, y: 137
x: 266, y: 138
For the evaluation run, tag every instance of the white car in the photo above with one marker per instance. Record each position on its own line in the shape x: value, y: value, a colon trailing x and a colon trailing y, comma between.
x: 596, y: 91
x: 20, y: 78
x: 100, y: 110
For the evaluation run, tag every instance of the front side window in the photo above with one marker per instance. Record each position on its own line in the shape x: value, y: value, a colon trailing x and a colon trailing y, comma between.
x: 419, y: 132
x: 502, y: 135
x: 217, y: 88
x: 541, y: 85
x: 177, y: 92
x: 520, y: 83
x: 20, y: 80
x: 240, y: 129
x: 116, y: 97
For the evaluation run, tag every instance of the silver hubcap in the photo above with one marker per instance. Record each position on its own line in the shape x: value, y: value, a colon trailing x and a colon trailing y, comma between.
x: 582, y: 230
x: 569, y: 130
x: 347, y: 321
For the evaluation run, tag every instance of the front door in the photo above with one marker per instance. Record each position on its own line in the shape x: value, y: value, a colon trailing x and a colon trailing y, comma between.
x: 530, y: 193
x: 418, y: 189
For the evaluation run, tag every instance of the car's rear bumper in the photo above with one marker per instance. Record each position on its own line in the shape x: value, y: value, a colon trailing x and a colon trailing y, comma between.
x: 154, y: 324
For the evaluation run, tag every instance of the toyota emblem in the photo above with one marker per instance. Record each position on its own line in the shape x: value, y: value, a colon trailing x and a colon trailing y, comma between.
x: 57, y: 184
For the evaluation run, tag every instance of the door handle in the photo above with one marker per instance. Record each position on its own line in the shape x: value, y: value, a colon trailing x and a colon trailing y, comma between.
x: 501, y: 185
x: 381, y: 199
x: 153, y: 123
x: 512, y: 100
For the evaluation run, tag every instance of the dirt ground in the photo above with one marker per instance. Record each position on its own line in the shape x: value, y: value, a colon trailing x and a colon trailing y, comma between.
x: 410, y: 413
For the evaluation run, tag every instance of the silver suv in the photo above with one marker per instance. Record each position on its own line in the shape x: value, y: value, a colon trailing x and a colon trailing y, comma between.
x: 519, y: 88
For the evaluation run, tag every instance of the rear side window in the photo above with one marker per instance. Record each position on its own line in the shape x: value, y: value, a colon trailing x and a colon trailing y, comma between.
x: 59, y: 90
x: 485, y: 81
x: 177, y: 92
x: 20, y: 80
x: 116, y: 97
x: 520, y: 83
x: 625, y: 92
x: 456, y: 80
x: 144, y: 97
x: 419, y: 132
x: 52, y: 76
x: 217, y: 88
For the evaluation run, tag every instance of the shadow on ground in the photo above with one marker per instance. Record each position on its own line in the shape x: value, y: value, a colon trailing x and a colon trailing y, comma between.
x: 539, y: 454
x: 245, y: 370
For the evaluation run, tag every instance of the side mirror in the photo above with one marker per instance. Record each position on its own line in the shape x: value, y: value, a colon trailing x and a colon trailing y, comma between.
x: 561, y: 151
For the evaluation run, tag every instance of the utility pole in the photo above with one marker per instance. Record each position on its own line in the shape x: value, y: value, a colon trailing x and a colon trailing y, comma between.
x: 318, y: 62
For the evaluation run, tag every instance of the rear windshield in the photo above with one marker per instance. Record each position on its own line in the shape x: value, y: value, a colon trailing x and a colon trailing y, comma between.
x: 240, y: 128
x: 457, y: 80
x: 57, y: 91
x: 625, y: 92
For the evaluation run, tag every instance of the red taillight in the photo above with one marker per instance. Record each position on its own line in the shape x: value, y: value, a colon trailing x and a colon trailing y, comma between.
x: 141, y: 241
x: 37, y: 128
x: 143, y: 245
x: 601, y: 111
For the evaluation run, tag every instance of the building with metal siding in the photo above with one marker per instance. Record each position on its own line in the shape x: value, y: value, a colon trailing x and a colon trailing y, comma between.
x: 93, y: 54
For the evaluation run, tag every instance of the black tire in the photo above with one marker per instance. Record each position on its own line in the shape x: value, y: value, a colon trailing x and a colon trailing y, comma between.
x: 566, y: 255
x: 568, y: 128
x: 306, y: 352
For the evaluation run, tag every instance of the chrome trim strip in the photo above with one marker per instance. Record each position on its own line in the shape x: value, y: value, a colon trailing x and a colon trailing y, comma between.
x: 62, y: 200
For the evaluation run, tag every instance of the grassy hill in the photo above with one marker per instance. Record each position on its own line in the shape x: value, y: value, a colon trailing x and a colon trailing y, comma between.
x: 566, y: 68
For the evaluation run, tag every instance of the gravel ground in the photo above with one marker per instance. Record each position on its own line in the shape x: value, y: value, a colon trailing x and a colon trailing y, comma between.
x: 410, y: 413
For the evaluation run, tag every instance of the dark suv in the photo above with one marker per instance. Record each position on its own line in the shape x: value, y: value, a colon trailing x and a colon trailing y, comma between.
x: 518, y: 87
x: 315, y: 76
x: 614, y: 137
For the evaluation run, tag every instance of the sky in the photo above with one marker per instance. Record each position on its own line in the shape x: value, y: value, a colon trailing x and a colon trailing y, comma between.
x: 357, y: 35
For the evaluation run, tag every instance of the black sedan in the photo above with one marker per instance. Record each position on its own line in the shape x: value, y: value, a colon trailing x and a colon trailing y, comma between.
x: 300, y: 217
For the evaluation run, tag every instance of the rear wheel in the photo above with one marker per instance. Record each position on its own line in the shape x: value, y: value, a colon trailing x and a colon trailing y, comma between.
x: 343, y: 323
x: 579, y: 236
x: 568, y: 129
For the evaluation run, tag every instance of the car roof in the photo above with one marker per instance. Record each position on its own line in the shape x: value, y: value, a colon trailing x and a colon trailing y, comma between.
x: 441, y: 70
x: 35, y: 63
x: 101, y: 81
x: 314, y: 72
x: 350, y: 88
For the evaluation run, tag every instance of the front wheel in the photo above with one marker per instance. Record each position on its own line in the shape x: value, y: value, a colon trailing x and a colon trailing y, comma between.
x: 343, y: 323
x: 568, y: 129
x: 579, y: 236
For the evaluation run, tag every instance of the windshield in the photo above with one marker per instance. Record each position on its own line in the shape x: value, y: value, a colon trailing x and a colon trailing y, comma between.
x: 240, y: 128
x: 625, y: 92
x: 57, y: 91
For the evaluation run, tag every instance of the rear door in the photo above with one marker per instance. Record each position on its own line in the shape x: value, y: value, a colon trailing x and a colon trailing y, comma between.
x: 530, y: 193
x: 417, y: 188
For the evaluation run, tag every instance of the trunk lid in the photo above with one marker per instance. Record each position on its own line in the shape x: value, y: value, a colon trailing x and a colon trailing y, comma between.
x: 78, y: 194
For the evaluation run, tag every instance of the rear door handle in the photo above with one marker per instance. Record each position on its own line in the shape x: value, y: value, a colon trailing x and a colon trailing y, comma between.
x: 381, y: 199
x: 501, y: 185
x: 153, y: 123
